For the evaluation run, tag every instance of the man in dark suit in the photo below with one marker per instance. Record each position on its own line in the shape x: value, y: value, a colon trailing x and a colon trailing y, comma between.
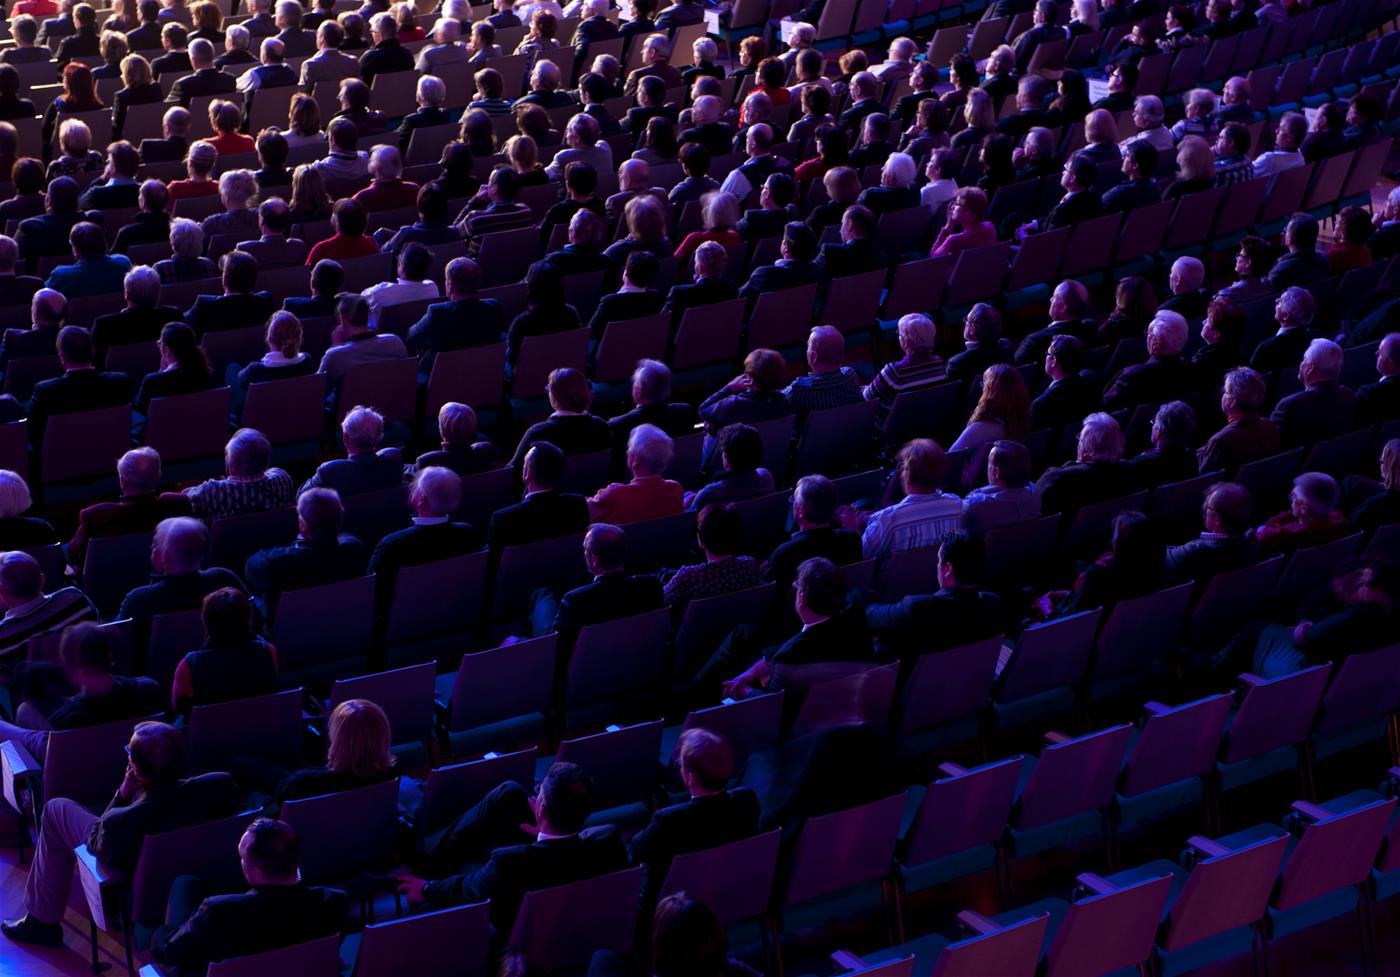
x: 173, y: 146
x: 206, y: 78
x: 327, y: 277
x: 139, y: 509
x: 435, y: 496
x: 46, y: 312
x: 710, y: 285
x: 774, y: 211
x: 296, y: 41
x: 560, y: 852
x: 1045, y: 29
x: 142, y: 319
x: 176, y: 59
x: 1302, y: 264
x: 47, y: 236
x: 1079, y: 203
x: 956, y: 614
x: 84, y: 41
x: 595, y: 25
x: 1072, y: 394
x: 984, y: 344
x: 239, y: 306
x: 1294, y: 311
x: 544, y: 512
x: 273, y: 249
x: 706, y: 128
x: 278, y: 911
x: 365, y: 468
x: 712, y: 816
x: 651, y: 393
x: 146, y: 35
x: 857, y: 252
x: 1227, y: 543
x: 814, y: 503
x: 81, y: 388
x: 55, y: 28
x: 152, y: 799
x: 613, y: 593
x: 388, y: 55
x: 462, y: 322
x: 321, y: 553
x: 1189, y: 297
x: 1379, y: 402
x: 1138, y: 190
x: 1166, y: 375
x: 1069, y: 308
x: 865, y: 91
x: 896, y: 190
x: 177, y: 581
x: 1323, y: 408
x: 795, y: 266
x: 1098, y: 474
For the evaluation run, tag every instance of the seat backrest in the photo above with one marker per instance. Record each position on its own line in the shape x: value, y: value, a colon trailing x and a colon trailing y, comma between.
x: 332, y: 622
x: 450, y: 790
x: 621, y: 760
x: 445, y: 597
x: 1231, y: 599
x: 749, y: 725
x: 708, y: 334
x: 470, y: 376
x: 189, y: 425
x: 84, y: 444
x: 1049, y: 656
x: 1275, y: 713
x: 1073, y: 777
x: 863, y: 694
x: 834, y: 438
x: 555, y: 563
x: 843, y: 849
x: 963, y: 811
x: 541, y: 355
x: 319, y: 958
x: 949, y: 685
x: 735, y: 880
x: 1011, y: 950
x: 502, y: 683
x: 1333, y: 853
x: 446, y: 943
x: 626, y: 341
x: 345, y: 833
x: 207, y: 851
x: 1312, y: 567
x: 560, y: 928
x: 287, y: 410
x: 1364, y: 687
x: 267, y: 727
x: 1108, y: 932
x: 1176, y: 744
x: 1224, y: 892
x: 705, y: 622
x: 233, y: 539
x: 1141, y: 630
x: 619, y: 658
x: 87, y: 764
x: 405, y: 695
x: 370, y: 516
x: 172, y: 637
x: 113, y: 567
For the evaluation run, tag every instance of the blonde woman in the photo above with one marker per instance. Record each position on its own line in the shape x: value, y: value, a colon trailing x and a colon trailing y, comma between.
x: 304, y: 123
x: 237, y: 190
x: 1195, y: 168
x: 357, y: 755
x: 16, y: 529
x: 199, y: 163
x: 138, y: 88
x: 524, y: 156
x: 284, y: 358
x: 309, y: 202
x: 981, y: 117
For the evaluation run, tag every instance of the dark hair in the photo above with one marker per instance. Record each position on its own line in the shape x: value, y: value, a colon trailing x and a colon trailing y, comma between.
x: 275, y: 849
x: 327, y: 277
x: 1144, y: 156
x: 781, y: 187
x: 241, y: 270
x: 816, y: 99
x: 1238, y: 134
x: 741, y: 446
x: 1130, y: 74
x: 228, y: 616
x: 1367, y: 106
x: 822, y: 586
x: 963, y: 553
x: 1138, y: 548
x: 720, y: 530
x: 546, y: 463
x: 28, y: 173
x: 801, y: 242
x: 74, y: 344
x: 695, y: 159
x: 566, y: 797
x: 350, y: 218
x: 9, y: 81
x: 1257, y: 250
x: 273, y: 150
x: 432, y: 203
x: 544, y: 286
x: 88, y: 240
x: 1229, y: 320
x: 660, y: 138
x: 963, y: 71
x: 416, y: 261
x: 833, y: 146
x: 772, y: 73
x: 63, y: 194
x: 86, y: 647
x: 1085, y: 171
x: 595, y: 86
x: 506, y: 182
x: 581, y: 177
x: 184, y: 346
x: 1068, y: 352
x: 642, y: 268
x: 687, y: 939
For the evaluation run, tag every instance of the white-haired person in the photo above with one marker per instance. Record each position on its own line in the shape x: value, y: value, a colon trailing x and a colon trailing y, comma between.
x: 919, y: 367
x: 179, y: 581
x: 1165, y: 374
x: 1200, y: 119
x: 250, y: 483
x: 139, y: 508
x: 445, y: 49
x: 1294, y: 311
x: 1098, y: 473
x: 896, y: 190
x: 433, y: 499
x: 1312, y: 516
x: 18, y: 531
x: 1187, y: 281
x: 367, y: 467
x: 387, y: 55
x: 238, y: 189
x: 431, y: 93
x: 649, y: 494
x: 1246, y: 436
x: 583, y: 137
x: 1148, y: 113
x: 387, y: 190
x: 1323, y: 408
x: 460, y: 449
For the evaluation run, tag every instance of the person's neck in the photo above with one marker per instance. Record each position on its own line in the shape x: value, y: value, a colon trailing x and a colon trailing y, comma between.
x: 810, y: 618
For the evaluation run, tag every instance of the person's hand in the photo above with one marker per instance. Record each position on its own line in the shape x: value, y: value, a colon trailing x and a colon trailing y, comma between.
x: 337, y: 335
x: 131, y: 785
x: 412, y: 887
x: 740, y: 384
x: 850, y: 518
x: 1300, y: 633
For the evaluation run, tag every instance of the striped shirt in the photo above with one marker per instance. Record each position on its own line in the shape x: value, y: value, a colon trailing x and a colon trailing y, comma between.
x: 896, y: 378
x: 917, y: 520
x: 818, y: 391
x: 219, y: 497
x: 1230, y: 170
x: 46, y: 612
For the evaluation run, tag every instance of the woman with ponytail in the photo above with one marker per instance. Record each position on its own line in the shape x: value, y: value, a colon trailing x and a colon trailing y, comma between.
x: 284, y: 358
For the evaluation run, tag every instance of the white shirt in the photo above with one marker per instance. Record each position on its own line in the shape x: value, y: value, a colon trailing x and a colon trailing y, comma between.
x: 917, y: 520
x: 937, y: 193
x: 1276, y: 161
x: 1159, y: 137
x: 385, y: 294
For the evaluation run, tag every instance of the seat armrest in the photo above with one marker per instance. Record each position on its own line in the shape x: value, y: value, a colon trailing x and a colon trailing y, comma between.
x: 976, y: 922
x: 1250, y: 679
x: 1055, y: 739
x: 1207, y: 847
x: 1155, y: 708
x: 1309, y: 811
x: 1095, y: 883
x: 17, y: 770
x: 99, y: 881
x: 150, y: 970
x: 952, y: 769
x: 847, y: 959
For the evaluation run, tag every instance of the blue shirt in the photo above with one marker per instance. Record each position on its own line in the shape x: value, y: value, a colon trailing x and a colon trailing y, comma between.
x: 92, y: 276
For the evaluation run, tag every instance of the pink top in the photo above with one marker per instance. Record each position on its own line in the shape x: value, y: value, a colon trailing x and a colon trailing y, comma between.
x: 955, y: 243
x: 650, y: 497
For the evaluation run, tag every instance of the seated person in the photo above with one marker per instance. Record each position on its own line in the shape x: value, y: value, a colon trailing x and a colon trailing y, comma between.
x: 234, y: 662
x: 1381, y: 507
x: 357, y: 755
x: 544, y: 512
x: 250, y: 484
x: 462, y: 322
x: 433, y: 499
x: 648, y: 495
x: 16, y: 529
x: 1172, y: 457
x: 1246, y: 436
x: 651, y: 393
x: 720, y: 534
x: 710, y: 285
x: 461, y: 450
x: 321, y: 553
x: 636, y: 298
x: 527, y: 841
x: 177, y: 581
x: 1008, y: 484
x: 1098, y: 474
x: 923, y: 517
x: 29, y: 611
x: 284, y: 359
x: 151, y: 796
x: 957, y: 614
x: 139, y: 508
x: 1131, y: 568
x: 366, y: 467
x: 278, y: 910
x: 740, y: 477
x: 571, y: 428
x: 753, y: 396
x: 920, y: 366
x: 1227, y: 543
x: 613, y: 593
x: 184, y: 369
x: 355, y: 343
x: 1312, y: 516
x: 829, y: 382
x: 815, y: 501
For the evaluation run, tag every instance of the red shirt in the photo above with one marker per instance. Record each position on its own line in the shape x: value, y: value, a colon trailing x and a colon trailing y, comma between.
x: 727, y: 238
x: 642, y: 498
x: 34, y: 8
x: 180, y: 189
x: 339, y: 247
x: 387, y: 195
x: 234, y: 143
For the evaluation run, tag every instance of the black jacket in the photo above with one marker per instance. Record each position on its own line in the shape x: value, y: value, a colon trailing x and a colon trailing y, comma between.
x: 1033, y: 347
x: 843, y: 638
x: 420, y: 544
x: 305, y: 563
x: 215, y: 313
x: 925, y: 623
x: 706, y: 291
x: 607, y: 598
x: 144, y: 229
x: 676, y: 419
x: 1322, y: 411
x: 840, y: 546
x: 1071, y: 487
x: 851, y: 258
x: 384, y: 58
x: 364, y: 472
x: 1378, y: 402
x: 206, y: 81
x: 1157, y: 380
x: 621, y: 306
x: 537, y: 517
x: 75, y: 391
x: 1065, y: 402
x: 573, y: 434
x: 780, y: 276
x: 1203, y: 558
x: 1074, y: 208
x: 1283, y: 351
x: 117, y: 836
x: 694, y: 825
x: 452, y: 325
x: 974, y: 360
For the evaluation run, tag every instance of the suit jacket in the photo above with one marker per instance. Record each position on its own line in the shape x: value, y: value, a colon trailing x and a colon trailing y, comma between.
x: 367, y: 472
x: 758, y: 224
x: 117, y: 836
x: 297, y: 43
x: 1192, y: 305
x: 267, y: 917
x: 82, y: 43
x: 571, y: 434
x: 18, y: 289
x: 304, y: 563
x: 1284, y: 350
x: 1159, y: 379
x: 694, y: 825
x: 144, y: 37
x: 1065, y: 402
x: 129, y: 514
x: 1378, y: 402
x: 1033, y: 347
x: 677, y: 420
x: 1322, y: 411
x: 607, y: 598
x: 1298, y: 268
x: 171, y: 63
x: 540, y: 516
x: 144, y: 229
x: 385, y: 57
x: 780, y: 276
x: 1237, y: 443
x: 216, y: 313
x: 1203, y: 558
x: 1070, y: 487
x: 973, y: 361
x: 1134, y: 193
x: 19, y: 344
x: 276, y: 253
x: 594, y: 29
x: 45, y: 236
x: 706, y: 291
x: 163, y: 150
x: 328, y: 66
x: 852, y: 258
x: 950, y: 618
x: 114, y: 196
x: 621, y: 306
x: 455, y: 324
x: 518, y: 869
x: 130, y: 326
x: 420, y: 544
x: 1074, y: 208
x: 206, y: 81
x: 75, y: 391
x: 843, y: 638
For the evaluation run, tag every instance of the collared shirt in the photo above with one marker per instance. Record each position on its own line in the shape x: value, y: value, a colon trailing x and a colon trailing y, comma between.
x: 915, y: 521
x: 429, y: 520
x: 385, y: 294
x: 219, y: 497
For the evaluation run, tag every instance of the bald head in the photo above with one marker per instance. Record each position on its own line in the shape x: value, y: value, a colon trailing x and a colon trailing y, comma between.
x: 604, y: 548
x: 1188, y: 275
x: 48, y: 308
